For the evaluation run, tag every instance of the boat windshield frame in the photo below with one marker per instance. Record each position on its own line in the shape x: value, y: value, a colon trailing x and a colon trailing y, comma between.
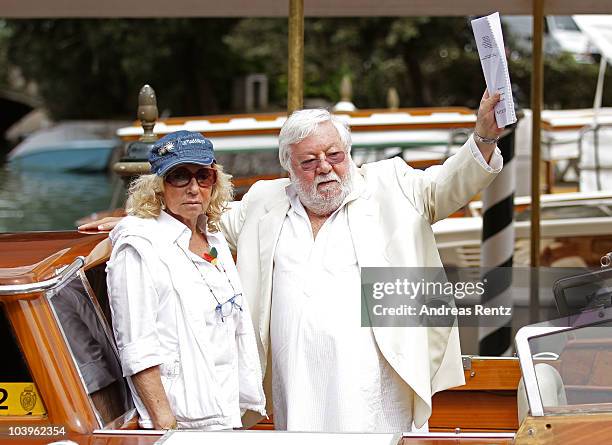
x: 587, y: 318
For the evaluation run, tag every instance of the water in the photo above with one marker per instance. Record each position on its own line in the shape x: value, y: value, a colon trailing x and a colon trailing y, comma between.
x: 34, y: 201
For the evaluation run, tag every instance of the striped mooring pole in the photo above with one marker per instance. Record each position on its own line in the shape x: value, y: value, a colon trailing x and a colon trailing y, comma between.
x: 497, y: 252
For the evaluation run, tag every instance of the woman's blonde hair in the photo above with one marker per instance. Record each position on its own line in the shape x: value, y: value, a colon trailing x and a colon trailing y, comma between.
x: 146, y: 197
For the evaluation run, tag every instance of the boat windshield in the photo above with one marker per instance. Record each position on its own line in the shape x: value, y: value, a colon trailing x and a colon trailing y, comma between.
x: 91, y: 343
x: 573, y: 368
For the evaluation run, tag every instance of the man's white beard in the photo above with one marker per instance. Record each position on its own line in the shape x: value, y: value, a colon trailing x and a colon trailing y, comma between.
x: 327, y: 200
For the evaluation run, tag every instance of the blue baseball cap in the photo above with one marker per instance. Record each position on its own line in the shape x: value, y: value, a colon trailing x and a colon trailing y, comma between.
x: 180, y: 147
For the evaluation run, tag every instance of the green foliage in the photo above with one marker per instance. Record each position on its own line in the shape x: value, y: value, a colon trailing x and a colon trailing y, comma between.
x: 410, y: 54
x: 262, y: 45
x: 94, y: 68
x: 430, y: 61
x: 5, y: 34
x: 567, y: 83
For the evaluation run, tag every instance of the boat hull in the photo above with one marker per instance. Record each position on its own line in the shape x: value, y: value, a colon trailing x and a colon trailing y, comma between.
x: 81, y: 156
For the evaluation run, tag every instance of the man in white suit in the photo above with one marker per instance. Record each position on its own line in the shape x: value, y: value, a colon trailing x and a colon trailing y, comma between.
x: 301, y: 242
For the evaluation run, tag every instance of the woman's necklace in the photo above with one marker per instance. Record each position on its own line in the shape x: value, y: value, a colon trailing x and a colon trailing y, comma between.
x: 211, y: 256
x: 223, y: 309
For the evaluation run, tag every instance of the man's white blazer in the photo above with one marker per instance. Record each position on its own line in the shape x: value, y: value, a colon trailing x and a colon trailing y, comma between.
x: 390, y: 225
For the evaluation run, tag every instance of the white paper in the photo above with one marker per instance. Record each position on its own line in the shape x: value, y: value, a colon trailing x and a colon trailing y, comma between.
x: 492, y: 53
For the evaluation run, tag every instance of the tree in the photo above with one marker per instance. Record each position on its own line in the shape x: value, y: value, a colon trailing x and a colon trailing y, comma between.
x: 414, y: 55
x: 5, y: 34
x: 94, y: 68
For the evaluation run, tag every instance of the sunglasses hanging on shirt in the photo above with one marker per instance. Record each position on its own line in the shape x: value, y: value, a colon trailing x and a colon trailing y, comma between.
x: 225, y: 309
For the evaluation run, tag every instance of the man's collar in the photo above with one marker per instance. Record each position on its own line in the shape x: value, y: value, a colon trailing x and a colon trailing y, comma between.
x: 294, y: 201
x: 358, y: 184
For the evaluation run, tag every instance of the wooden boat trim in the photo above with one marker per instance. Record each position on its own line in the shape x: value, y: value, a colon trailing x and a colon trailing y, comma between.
x: 565, y: 428
x: 490, y: 390
x: 464, y: 435
x: 162, y: 130
x: 50, y: 364
x: 45, y: 285
x: 105, y: 432
x: 374, y: 120
x: 36, y: 256
x: 491, y: 374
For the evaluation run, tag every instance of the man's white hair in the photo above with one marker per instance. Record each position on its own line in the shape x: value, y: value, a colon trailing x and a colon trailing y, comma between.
x: 303, y: 123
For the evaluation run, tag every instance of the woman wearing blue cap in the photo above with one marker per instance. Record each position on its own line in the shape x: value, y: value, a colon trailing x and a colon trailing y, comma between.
x: 182, y: 326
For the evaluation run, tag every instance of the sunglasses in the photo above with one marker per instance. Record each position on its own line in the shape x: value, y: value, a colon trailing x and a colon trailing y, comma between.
x: 182, y: 176
x: 332, y: 158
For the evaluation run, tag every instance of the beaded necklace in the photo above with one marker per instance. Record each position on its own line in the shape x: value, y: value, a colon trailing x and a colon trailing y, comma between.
x: 219, y: 309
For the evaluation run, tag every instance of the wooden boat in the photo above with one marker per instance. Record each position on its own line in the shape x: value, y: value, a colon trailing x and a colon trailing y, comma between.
x: 40, y: 363
x: 45, y: 385
x: 53, y: 298
x: 37, y: 266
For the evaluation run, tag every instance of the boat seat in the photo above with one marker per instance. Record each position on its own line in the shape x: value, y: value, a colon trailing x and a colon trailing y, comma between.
x: 552, y: 390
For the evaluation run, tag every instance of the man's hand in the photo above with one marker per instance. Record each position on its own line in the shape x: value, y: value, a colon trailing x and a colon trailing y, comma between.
x: 486, y: 125
x: 101, y: 225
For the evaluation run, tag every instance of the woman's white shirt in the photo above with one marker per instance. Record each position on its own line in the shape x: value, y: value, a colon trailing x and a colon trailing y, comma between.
x: 164, y: 314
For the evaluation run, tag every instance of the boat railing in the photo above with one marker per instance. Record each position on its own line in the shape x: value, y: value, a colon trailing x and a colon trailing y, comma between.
x: 62, y: 275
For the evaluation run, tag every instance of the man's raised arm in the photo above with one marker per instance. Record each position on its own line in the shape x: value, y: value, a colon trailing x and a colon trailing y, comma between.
x: 440, y: 190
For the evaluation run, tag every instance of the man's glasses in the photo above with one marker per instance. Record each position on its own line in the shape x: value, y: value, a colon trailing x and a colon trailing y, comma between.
x: 181, y: 177
x: 333, y: 158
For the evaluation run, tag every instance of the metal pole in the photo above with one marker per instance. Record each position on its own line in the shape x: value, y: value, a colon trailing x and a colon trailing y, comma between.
x: 537, y: 96
x: 603, y: 64
x: 295, y: 93
x: 599, y: 90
